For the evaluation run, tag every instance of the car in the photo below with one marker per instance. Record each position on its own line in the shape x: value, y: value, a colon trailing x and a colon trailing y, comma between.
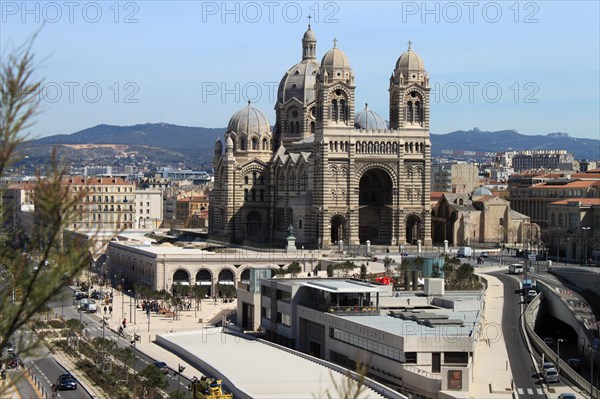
x: 574, y: 363
x: 549, y: 341
x: 567, y: 396
x: 65, y: 382
x: 484, y: 254
x: 551, y: 375
x: 162, y: 366
x: 547, y: 366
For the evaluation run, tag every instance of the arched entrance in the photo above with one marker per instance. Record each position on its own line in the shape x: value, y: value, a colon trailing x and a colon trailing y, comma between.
x: 245, y: 277
x: 204, y: 279
x: 375, y: 203
x: 413, y: 229
x: 338, y: 229
x: 180, y: 277
x: 254, y: 226
x: 226, y: 283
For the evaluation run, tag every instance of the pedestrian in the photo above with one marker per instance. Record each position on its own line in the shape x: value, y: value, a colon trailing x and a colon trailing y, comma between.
x: 105, y: 309
x: 110, y: 309
x: 125, y: 323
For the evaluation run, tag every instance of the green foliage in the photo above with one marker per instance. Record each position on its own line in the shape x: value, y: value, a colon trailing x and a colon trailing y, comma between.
x: 152, y: 378
x: 363, y: 272
x: 388, y: 264
x: 330, y: 269
x: 34, y: 265
x: 177, y: 395
x: 74, y: 325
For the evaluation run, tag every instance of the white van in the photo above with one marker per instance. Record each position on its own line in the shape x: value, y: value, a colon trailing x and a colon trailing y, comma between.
x: 515, y: 268
x: 465, y: 252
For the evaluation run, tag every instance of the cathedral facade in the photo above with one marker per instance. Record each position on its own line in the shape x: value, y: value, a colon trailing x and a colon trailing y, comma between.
x: 330, y: 172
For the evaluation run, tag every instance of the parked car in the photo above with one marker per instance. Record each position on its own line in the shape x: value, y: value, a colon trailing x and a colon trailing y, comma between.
x: 567, y: 396
x: 66, y: 381
x: 551, y: 375
x: 574, y: 363
x: 162, y: 366
x: 484, y: 254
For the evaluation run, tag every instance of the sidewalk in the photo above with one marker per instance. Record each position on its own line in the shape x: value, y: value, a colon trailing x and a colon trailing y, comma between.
x: 492, y: 375
x: 188, y: 320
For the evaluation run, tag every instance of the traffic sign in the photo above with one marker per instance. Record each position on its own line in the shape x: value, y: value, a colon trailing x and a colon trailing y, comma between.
x: 531, y: 258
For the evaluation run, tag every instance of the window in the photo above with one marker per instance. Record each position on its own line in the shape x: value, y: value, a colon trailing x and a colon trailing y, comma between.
x: 265, y: 312
x: 284, y: 296
x: 411, y: 357
x: 456, y: 358
x: 245, y: 194
x: 266, y: 291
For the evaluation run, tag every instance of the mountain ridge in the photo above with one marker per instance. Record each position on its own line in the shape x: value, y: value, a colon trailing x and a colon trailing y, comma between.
x: 190, y: 146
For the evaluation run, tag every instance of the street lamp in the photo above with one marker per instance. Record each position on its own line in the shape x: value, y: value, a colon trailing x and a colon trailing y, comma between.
x: 558, y: 341
x: 180, y: 369
x: 583, y: 237
x: 592, y: 353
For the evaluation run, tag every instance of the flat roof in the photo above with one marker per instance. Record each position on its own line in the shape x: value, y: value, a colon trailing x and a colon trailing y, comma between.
x: 408, y: 327
x: 341, y: 286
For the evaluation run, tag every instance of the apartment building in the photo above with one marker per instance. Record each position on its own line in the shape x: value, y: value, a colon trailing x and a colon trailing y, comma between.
x: 108, y: 202
x: 148, y: 208
x: 454, y: 177
x: 543, y: 159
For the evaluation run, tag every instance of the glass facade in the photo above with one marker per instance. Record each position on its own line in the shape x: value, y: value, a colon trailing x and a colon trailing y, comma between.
x: 369, y: 345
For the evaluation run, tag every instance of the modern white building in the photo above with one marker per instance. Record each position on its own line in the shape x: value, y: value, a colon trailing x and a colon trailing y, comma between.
x: 422, y: 346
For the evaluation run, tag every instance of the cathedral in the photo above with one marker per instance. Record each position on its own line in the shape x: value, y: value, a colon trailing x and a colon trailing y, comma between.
x: 326, y: 170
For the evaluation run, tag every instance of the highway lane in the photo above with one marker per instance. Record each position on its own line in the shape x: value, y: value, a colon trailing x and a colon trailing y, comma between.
x: 526, y: 381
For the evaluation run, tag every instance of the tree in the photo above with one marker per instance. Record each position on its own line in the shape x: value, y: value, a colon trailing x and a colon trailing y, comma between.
x: 24, y: 289
x: 294, y: 269
x: 152, y: 378
x: 388, y: 263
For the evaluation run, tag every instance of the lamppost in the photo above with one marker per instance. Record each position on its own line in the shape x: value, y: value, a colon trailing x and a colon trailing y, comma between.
x: 129, y: 293
x: 583, y: 237
x: 180, y: 369
x: 558, y: 341
x: 592, y: 353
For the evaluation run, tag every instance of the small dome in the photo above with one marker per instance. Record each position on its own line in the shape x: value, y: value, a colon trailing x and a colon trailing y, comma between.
x: 410, y: 61
x: 309, y: 35
x: 229, y: 142
x: 335, y: 59
x: 481, y: 192
x: 249, y: 120
x: 367, y: 119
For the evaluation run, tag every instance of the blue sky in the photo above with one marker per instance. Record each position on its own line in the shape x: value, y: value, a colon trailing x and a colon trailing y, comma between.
x: 528, y: 66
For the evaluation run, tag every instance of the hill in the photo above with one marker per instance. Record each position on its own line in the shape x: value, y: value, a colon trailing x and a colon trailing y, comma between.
x: 506, y: 140
x: 163, y: 144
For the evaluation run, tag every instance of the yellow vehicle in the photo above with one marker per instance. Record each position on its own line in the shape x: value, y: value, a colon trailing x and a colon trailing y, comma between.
x: 208, y: 388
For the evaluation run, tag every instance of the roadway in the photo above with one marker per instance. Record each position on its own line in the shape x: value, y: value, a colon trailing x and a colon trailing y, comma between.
x: 526, y: 380
x: 45, y: 369
x: 94, y: 328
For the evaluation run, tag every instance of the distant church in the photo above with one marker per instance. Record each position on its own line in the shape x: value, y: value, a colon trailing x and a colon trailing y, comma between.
x: 331, y: 173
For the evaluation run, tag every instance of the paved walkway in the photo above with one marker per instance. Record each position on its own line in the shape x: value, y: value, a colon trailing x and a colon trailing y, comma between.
x: 491, y: 371
x: 159, y: 324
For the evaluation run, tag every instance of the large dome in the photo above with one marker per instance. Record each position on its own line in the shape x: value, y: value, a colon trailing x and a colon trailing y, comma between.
x: 299, y: 82
x: 249, y: 120
x: 367, y: 119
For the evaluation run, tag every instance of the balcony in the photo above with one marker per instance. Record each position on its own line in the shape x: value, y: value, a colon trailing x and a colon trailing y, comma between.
x: 343, y: 310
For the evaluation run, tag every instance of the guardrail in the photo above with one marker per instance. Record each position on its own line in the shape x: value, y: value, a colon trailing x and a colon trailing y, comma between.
x: 548, y: 353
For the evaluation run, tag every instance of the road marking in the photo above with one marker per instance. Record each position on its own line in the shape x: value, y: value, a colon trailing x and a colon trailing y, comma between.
x: 529, y: 391
x: 520, y: 391
x: 539, y: 391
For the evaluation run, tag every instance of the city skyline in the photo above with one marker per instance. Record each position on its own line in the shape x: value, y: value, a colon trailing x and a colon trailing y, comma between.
x: 494, y: 66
